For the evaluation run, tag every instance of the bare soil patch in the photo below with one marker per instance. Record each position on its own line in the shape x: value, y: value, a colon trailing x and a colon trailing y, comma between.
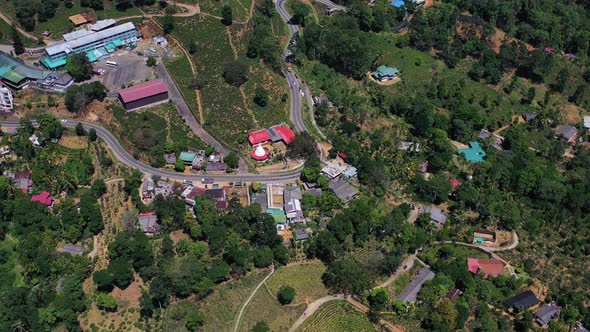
x: 73, y: 142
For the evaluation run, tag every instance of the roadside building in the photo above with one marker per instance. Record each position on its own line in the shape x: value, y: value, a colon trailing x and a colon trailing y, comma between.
x: 547, y: 313
x: 218, y: 197
x: 522, y: 301
x: 199, y: 160
x: 170, y: 158
x: 216, y: 167
x: 489, y: 267
x: 385, y: 73
x: 187, y: 157
x: 147, y: 222
x: 474, y: 154
x: 79, y: 19
x: 484, y: 235
x: 302, y: 234
x: 6, y: 99
x: 44, y: 198
x: 567, y: 133
x: 436, y: 215
x: 144, y: 94
x: 73, y: 249
x: 292, y: 204
x: 94, y: 43
x: 17, y: 75
x: 453, y: 293
x: 410, y: 293
x: 343, y: 190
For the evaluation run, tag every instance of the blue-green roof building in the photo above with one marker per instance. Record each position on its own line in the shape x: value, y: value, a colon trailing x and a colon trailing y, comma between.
x: 385, y: 73
x: 474, y: 154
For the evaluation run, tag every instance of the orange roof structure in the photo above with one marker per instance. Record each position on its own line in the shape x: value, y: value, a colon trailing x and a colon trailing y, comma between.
x: 489, y: 267
x: 79, y: 19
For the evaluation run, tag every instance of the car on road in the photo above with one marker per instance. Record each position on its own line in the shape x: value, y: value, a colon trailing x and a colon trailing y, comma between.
x: 405, y: 267
x: 289, y: 67
x: 208, y: 180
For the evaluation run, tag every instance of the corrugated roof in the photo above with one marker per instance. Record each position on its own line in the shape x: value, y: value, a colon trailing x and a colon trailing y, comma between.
x: 103, y: 24
x: 7, y: 60
x: 258, y: 136
x: 79, y: 19
x: 143, y: 90
x: 76, y: 34
x: 68, y: 46
x: 410, y: 293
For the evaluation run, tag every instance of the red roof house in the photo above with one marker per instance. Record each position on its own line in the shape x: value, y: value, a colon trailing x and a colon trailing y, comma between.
x: 455, y: 184
x: 489, y: 267
x: 44, y: 197
x: 143, y: 94
x: 342, y: 155
x: 286, y: 133
x: 259, y: 136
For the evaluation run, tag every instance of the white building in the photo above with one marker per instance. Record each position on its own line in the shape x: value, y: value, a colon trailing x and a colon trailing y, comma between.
x: 6, y: 99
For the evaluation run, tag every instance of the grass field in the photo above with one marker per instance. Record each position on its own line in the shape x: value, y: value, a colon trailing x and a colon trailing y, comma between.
x: 337, y: 316
x: 306, y: 279
x: 228, y: 111
x: 59, y: 24
x: 220, y: 308
x: 148, y: 132
x: 180, y: 68
x: 6, y: 35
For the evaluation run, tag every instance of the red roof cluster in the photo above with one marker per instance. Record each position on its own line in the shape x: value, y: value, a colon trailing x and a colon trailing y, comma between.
x: 286, y: 133
x: 259, y: 136
x: 142, y: 90
x: 44, y: 197
x: 489, y: 267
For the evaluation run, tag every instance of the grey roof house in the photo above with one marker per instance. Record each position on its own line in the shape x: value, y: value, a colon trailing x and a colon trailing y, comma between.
x: 567, y: 132
x: 528, y: 116
x: 302, y: 234
x: 147, y: 222
x: 547, y: 313
x: 436, y: 215
x: 344, y: 190
x: 521, y: 301
x: 216, y: 167
x: 170, y: 158
x: 410, y: 293
x: 73, y: 249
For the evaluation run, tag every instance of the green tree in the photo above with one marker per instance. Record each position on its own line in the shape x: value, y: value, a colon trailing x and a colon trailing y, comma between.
x: 17, y: 43
x: 286, y: 294
x: 260, y: 96
x: 106, y: 302
x: 122, y: 272
x: 232, y: 160
x: 98, y: 188
x: 168, y: 24
x: 194, y: 320
x: 179, y: 165
x: 448, y: 312
x: 303, y: 147
x: 92, y: 135
x: 227, y: 15
x: 234, y: 73
x: 300, y: 11
x: 347, y: 276
x: 80, y: 131
x: 378, y: 299
x: 151, y: 61
x: 79, y: 67
x: 260, y: 327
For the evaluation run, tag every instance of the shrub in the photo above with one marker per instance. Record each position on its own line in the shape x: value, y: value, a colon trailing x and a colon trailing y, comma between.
x: 286, y: 294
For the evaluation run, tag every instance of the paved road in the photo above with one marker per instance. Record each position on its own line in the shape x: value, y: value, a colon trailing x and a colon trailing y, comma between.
x: 295, y: 88
x: 123, y: 156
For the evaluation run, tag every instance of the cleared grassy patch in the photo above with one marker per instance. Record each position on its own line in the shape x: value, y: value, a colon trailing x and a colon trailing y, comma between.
x: 180, y: 68
x: 6, y: 35
x: 221, y: 308
x: 337, y: 316
x: 306, y: 279
x: 266, y: 307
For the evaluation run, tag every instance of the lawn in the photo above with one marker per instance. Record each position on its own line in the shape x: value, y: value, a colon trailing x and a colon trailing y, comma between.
x: 180, y: 68
x: 147, y: 133
x: 306, y: 279
x: 6, y: 35
x: 448, y: 252
x: 59, y: 24
x: 337, y: 316
x: 228, y: 110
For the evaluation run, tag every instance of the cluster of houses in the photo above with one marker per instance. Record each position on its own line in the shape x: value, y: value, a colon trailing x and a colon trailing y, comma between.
x: 198, y: 161
x: 544, y: 314
x: 263, y: 140
x: 282, y: 202
x: 339, y: 175
x: 24, y: 182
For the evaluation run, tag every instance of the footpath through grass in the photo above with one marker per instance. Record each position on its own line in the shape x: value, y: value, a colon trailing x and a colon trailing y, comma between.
x: 306, y: 279
x: 6, y: 35
x: 337, y: 316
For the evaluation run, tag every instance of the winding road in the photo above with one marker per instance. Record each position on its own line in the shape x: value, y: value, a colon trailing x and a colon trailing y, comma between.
x: 123, y: 156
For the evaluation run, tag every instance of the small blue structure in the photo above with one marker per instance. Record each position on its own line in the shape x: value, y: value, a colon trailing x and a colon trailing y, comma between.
x: 397, y: 3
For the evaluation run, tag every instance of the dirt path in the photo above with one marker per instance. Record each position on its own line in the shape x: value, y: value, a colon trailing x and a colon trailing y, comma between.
x: 245, y: 100
x: 272, y: 270
x: 408, y: 263
x: 313, y: 307
x: 10, y: 22
x: 94, y: 251
x: 231, y: 43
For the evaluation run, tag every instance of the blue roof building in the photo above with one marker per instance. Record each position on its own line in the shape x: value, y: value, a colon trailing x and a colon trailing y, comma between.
x: 474, y: 154
x: 397, y: 3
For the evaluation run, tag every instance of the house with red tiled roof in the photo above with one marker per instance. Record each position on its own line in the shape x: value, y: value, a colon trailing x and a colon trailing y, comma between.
x: 44, y: 197
x: 489, y: 267
x: 259, y: 137
x: 287, y: 135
